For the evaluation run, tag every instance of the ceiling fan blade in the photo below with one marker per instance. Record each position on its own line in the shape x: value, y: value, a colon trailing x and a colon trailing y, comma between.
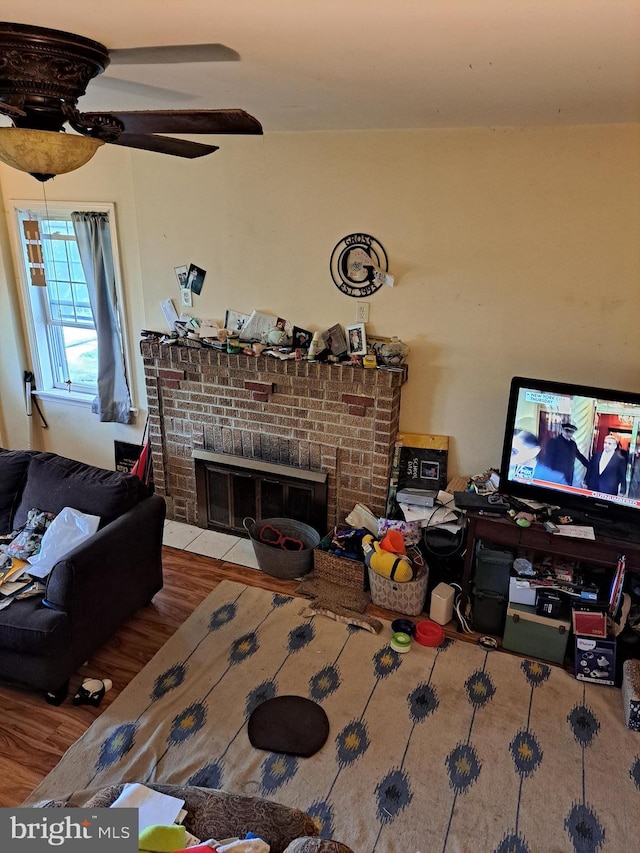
x: 109, y: 83
x: 186, y: 121
x: 164, y: 145
x: 173, y: 53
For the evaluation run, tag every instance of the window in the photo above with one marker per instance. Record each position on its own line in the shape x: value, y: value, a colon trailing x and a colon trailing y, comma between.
x: 62, y: 331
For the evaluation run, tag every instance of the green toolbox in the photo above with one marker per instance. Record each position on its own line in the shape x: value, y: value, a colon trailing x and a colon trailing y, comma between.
x: 538, y: 636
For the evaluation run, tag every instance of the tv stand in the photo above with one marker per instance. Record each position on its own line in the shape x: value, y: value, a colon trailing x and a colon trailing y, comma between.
x: 604, y: 526
x: 603, y: 550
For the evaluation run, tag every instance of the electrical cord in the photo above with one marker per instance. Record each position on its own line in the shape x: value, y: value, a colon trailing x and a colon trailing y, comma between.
x: 465, y: 625
x: 457, y: 538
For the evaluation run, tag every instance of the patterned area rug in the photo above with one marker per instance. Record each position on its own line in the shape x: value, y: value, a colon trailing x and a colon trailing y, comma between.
x: 448, y: 749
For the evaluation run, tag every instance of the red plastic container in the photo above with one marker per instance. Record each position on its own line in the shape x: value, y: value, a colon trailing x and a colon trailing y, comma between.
x: 429, y: 633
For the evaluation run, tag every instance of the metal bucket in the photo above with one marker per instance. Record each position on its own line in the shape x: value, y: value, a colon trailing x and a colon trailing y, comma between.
x: 276, y: 560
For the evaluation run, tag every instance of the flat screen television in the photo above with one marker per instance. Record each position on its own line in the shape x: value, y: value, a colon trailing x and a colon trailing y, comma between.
x: 577, y: 448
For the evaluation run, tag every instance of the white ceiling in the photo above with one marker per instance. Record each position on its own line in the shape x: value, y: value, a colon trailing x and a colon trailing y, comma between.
x: 369, y: 64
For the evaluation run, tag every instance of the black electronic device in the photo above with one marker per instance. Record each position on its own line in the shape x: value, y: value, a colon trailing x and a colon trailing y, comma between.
x: 555, y: 436
x: 493, y: 503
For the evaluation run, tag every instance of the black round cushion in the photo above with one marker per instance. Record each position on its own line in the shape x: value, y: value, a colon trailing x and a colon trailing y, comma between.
x: 290, y: 724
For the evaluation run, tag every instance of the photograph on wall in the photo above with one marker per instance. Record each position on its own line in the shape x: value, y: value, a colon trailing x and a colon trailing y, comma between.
x: 334, y: 340
x: 356, y: 339
x: 182, y: 274
x: 195, y: 278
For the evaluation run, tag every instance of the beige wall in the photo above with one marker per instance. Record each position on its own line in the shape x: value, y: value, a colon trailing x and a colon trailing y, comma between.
x: 73, y: 430
x: 515, y: 251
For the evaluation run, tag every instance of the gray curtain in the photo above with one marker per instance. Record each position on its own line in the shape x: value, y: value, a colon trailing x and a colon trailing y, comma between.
x: 113, y: 402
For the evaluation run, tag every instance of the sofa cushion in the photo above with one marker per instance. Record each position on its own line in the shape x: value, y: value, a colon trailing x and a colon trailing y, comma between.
x: 13, y: 474
x: 54, y: 482
x: 29, y: 627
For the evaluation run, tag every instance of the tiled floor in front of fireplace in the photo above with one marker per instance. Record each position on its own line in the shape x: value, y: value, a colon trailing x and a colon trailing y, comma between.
x: 210, y: 543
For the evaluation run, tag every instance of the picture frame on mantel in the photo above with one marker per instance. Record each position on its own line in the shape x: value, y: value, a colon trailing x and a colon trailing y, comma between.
x: 356, y: 339
x: 334, y: 340
x: 235, y: 321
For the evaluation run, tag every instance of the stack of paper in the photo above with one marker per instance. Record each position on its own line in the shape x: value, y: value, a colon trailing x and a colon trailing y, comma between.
x: 257, y: 325
x: 11, y: 568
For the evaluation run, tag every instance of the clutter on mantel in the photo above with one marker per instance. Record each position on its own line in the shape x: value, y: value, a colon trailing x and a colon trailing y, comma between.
x: 263, y: 334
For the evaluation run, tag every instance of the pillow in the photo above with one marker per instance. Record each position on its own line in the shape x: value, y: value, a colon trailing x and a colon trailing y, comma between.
x: 290, y: 724
x: 13, y: 473
x: 54, y: 482
x: 28, y: 541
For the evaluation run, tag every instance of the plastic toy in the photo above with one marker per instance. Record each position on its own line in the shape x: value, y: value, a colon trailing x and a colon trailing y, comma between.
x: 393, y: 566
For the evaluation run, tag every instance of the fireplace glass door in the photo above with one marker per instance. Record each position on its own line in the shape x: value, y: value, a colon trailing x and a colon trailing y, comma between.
x: 228, y: 494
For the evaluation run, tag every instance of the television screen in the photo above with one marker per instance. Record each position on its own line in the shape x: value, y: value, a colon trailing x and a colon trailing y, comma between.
x: 575, y: 447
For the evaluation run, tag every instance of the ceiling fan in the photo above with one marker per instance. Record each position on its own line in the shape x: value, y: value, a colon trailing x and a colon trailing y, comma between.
x: 44, y: 72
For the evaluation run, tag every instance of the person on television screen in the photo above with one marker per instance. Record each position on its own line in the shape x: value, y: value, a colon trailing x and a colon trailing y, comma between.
x: 634, y: 482
x: 525, y: 466
x: 562, y: 451
x: 607, y: 471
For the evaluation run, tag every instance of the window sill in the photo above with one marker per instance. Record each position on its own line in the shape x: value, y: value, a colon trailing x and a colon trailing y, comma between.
x: 71, y: 398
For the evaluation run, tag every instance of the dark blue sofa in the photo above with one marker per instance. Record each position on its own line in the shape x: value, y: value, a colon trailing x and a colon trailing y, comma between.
x: 95, y: 587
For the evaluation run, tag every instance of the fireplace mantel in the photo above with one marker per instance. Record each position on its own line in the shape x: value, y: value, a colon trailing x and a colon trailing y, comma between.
x: 340, y: 419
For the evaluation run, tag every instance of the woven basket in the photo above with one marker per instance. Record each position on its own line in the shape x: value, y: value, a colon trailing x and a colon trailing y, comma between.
x: 340, y: 570
x: 407, y: 598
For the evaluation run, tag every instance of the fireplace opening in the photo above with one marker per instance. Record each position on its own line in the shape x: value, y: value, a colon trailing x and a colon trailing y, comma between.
x: 231, y: 488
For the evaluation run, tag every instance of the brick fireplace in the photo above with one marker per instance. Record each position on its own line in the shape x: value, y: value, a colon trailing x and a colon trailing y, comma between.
x: 334, y: 418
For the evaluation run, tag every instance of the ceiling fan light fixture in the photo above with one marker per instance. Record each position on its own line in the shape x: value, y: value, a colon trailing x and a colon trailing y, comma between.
x: 45, y: 153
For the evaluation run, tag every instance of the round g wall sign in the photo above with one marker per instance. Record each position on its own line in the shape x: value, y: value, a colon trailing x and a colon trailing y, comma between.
x: 359, y: 266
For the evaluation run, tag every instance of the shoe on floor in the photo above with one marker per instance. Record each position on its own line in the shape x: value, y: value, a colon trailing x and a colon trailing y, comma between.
x: 92, y: 691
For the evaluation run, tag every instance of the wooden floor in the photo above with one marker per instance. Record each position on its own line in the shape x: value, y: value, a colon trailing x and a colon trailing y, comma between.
x: 34, y: 735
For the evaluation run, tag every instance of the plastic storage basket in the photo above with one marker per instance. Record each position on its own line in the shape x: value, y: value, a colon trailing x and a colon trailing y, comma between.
x: 280, y: 562
x: 407, y: 598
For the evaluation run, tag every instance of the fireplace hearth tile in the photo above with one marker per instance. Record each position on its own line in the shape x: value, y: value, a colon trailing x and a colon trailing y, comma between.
x: 178, y: 535
x: 242, y: 554
x: 231, y: 549
x: 212, y: 543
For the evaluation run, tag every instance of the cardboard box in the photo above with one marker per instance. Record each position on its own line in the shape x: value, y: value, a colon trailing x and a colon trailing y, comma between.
x: 541, y: 637
x: 595, y: 660
x: 521, y: 592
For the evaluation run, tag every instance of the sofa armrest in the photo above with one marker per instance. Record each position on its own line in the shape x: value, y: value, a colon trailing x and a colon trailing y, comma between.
x: 105, y: 579
x: 286, y: 829
x: 316, y: 845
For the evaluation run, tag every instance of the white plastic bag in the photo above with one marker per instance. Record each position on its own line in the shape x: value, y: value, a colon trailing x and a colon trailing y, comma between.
x: 68, y: 529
